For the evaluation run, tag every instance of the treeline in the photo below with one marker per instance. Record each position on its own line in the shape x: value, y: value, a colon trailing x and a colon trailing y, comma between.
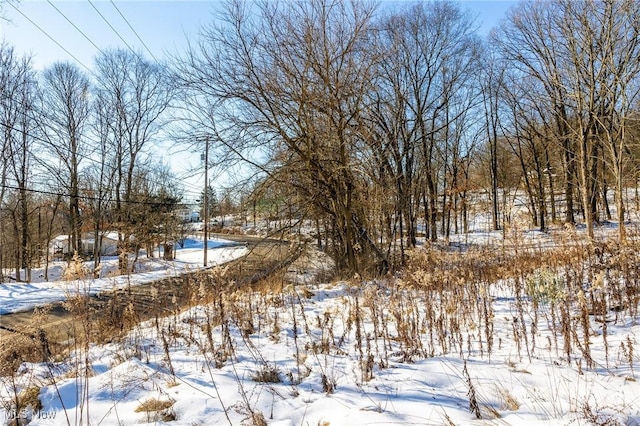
x: 375, y: 123
x: 76, y: 159
x: 383, y: 123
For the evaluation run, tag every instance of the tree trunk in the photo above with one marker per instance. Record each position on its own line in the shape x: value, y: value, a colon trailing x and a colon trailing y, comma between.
x: 168, y: 251
x: 585, y: 187
x: 24, y: 239
x: 432, y: 213
x: 620, y: 204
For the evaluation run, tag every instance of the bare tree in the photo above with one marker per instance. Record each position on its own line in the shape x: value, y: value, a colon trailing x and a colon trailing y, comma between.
x: 155, y: 198
x: 291, y: 78
x: 616, y: 35
x: 424, y: 87
x: 99, y: 177
x: 132, y: 94
x: 602, y: 45
x: 584, y: 56
x: 462, y: 135
x: 7, y: 65
x: 17, y: 91
x: 491, y: 82
x: 64, y: 102
x: 530, y: 41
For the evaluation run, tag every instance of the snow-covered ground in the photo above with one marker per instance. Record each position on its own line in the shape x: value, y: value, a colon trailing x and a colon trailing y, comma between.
x: 204, y: 385
x: 339, y: 354
x: 16, y: 297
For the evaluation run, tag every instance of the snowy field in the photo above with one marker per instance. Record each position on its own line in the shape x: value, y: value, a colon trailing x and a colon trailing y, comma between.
x: 16, y: 297
x: 349, y: 353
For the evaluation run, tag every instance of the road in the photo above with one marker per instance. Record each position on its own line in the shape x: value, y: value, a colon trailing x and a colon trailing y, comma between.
x: 52, y: 331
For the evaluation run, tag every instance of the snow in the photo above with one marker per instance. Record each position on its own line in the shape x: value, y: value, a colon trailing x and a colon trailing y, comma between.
x: 319, y: 358
x: 20, y: 296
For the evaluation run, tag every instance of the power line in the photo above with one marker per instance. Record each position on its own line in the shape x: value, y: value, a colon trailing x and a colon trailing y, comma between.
x: 49, y: 36
x: 188, y: 186
x: 111, y: 26
x: 86, y: 197
x: 75, y: 26
x: 191, y: 186
x: 134, y: 31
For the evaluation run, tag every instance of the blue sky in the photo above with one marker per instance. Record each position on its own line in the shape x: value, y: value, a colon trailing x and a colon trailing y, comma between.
x: 163, y: 27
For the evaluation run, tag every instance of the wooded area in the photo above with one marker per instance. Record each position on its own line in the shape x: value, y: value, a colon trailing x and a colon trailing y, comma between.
x: 374, y: 123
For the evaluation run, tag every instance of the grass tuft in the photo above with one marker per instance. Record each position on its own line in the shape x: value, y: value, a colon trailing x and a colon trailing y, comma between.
x: 267, y: 374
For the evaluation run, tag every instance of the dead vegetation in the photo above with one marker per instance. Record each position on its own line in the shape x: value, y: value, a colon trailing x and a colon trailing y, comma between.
x: 442, y: 304
x: 157, y: 410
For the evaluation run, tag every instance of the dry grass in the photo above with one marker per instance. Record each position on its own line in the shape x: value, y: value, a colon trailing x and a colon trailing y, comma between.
x: 157, y: 410
x: 16, y: 349
x: 441, y: 304
x: 255, y: 419
x: 154, y: 404
x: 267, y: 374
x: 598, y: 416
x: 30, y: 397
x: 507, y: 401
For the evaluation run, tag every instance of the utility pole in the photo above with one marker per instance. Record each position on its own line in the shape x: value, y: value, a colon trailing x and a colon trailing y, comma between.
x: 206, y: 198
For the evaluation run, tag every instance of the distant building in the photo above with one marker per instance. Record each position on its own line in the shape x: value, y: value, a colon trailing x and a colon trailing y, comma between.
x: 59, y: 246
x: 187, y: 215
